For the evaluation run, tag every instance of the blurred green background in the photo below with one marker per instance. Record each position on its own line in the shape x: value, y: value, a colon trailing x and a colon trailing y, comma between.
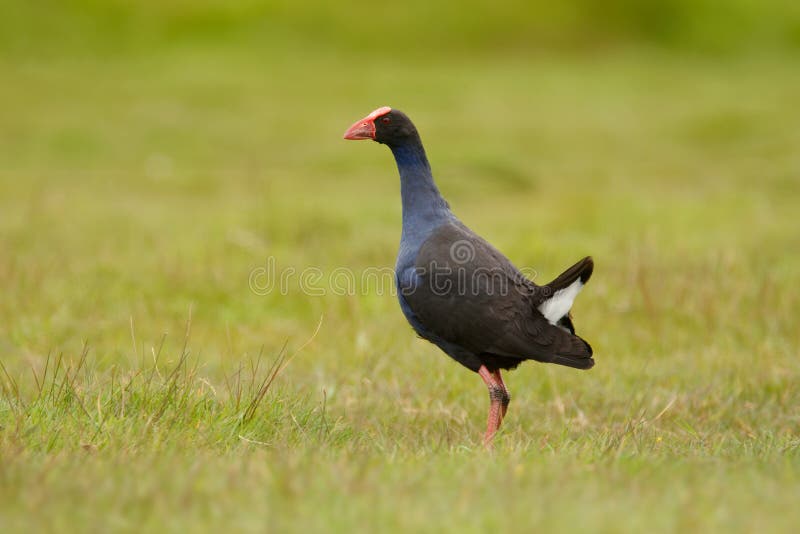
x: 417, y: 28
x: 153, y: 155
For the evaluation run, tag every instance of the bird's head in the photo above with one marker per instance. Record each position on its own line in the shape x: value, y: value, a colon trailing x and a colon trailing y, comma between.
x: 384, y: 125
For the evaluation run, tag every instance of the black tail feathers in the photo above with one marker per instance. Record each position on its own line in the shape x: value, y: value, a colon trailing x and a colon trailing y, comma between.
x: 583, y: 270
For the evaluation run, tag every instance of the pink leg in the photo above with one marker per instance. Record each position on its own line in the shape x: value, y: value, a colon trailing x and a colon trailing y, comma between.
x: 507, y: 398
x: 498, y: 399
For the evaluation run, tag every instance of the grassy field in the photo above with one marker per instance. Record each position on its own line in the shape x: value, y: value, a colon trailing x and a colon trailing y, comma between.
x: 145, y: 384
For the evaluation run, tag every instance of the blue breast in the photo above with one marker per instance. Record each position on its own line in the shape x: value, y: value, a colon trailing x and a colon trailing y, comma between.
x: 424, y: 210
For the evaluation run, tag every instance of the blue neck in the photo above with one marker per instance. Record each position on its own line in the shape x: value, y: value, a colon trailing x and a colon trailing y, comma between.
x: 423, y: 205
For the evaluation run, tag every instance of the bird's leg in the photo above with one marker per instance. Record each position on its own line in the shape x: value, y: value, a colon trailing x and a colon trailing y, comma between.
x: 497, y: 397
x: 506, y: 398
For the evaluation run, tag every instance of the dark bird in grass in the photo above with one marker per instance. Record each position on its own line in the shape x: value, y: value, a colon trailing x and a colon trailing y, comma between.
x: 459, y: 292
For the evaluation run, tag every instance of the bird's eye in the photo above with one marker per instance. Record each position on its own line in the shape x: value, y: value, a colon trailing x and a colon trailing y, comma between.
x: 386, y: 120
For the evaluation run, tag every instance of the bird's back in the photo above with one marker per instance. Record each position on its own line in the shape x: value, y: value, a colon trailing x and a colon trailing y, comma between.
x: 464, y: 291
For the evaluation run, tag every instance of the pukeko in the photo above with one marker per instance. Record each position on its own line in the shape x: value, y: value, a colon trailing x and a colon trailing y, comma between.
x: 459, y: 292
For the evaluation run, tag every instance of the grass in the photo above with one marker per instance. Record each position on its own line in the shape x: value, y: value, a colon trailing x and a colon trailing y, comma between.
x: 145, y: 385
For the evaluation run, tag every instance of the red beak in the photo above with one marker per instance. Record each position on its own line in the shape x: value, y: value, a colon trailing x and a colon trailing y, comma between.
x: 365, y: 128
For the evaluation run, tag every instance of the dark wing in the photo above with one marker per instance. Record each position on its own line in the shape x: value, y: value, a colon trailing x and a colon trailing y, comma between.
x: 467, y: 293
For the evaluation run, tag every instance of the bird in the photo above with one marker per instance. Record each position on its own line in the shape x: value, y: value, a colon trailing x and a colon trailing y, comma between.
x: 462, y: 294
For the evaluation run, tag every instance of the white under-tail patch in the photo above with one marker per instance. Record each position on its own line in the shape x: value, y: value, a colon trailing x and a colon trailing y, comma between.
x: 560, y: 303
